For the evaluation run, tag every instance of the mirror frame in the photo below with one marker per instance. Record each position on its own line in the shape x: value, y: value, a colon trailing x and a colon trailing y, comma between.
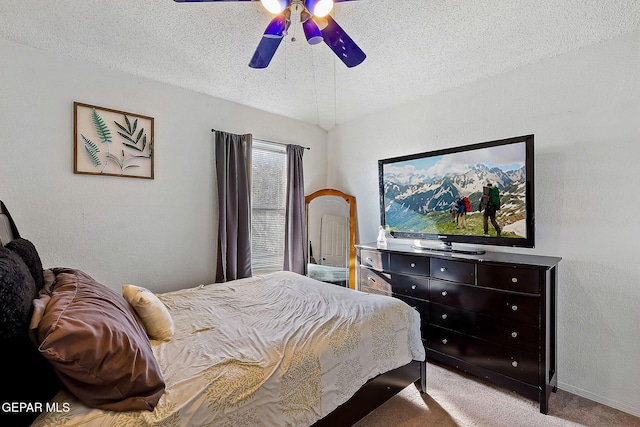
x: 351, y: 201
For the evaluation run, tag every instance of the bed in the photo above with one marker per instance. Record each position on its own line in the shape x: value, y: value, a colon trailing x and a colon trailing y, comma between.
x: 273, y: 350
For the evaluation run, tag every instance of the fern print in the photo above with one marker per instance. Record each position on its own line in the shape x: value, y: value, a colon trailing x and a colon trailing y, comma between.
x: 92, y: 150
x: 101, y: 127
x: 103, y: 133
x: 112, y: 142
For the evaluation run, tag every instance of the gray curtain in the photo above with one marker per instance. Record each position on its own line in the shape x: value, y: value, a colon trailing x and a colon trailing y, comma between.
x: 295, y: 245
x: 233, y: 172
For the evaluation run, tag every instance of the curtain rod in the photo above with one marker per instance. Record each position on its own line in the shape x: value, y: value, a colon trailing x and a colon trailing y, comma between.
x: 271, y: 142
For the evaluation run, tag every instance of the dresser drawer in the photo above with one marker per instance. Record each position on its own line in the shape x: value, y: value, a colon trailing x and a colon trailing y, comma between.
x: 456, y: 271
x: 409, y: 264
x: 509, y: 278
x: 374, y: 259
x: 374, y: 282
x: 521, y: 308
x: 508, y: 361
x: 519, y: 335
x: 413, y: 286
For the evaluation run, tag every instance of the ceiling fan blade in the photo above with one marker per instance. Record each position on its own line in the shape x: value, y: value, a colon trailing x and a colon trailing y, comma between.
x: 264, y: 52
x: 271, y: 39
x: 340, y: 42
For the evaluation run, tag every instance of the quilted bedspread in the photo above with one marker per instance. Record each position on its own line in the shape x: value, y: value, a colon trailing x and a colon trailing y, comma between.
x: 273, y: 350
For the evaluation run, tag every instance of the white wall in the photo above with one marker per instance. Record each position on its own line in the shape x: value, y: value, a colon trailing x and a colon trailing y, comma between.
x: 584, y: 109
x: 156, y: 233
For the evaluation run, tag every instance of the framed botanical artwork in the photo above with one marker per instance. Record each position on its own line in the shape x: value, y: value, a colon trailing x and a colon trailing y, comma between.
x: 112, y: 142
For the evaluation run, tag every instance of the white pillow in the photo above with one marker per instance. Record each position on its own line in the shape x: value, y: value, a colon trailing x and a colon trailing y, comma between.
x: 152, y: 312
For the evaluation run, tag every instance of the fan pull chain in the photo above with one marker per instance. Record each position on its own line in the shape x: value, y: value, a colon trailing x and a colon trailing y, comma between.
x: 295, y: 20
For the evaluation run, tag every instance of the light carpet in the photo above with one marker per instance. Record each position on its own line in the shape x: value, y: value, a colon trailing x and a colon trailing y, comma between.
x: 457, y: 399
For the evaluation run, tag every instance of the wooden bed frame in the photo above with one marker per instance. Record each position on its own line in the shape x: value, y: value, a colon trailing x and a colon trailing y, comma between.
x: 375, y: 392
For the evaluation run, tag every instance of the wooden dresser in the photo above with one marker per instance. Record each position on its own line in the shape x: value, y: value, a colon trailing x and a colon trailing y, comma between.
x: 491, y: 315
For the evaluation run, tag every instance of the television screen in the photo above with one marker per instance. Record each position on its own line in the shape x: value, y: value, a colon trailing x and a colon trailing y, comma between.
x: 479, y: 194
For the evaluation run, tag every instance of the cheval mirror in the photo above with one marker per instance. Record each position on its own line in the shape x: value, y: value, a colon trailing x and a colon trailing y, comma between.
x: 331, y: 225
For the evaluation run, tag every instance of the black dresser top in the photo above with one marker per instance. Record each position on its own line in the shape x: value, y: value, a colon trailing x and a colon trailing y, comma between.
x: 537, y: 261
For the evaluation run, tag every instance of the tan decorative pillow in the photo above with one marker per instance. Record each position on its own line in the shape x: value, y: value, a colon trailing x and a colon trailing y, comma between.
x: 152, y: 312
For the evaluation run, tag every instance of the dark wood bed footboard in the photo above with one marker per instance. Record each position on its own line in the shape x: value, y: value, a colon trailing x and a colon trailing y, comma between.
x: 374, y: 393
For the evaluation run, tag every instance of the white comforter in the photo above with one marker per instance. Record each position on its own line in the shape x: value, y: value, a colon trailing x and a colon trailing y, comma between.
x: 274, y: 350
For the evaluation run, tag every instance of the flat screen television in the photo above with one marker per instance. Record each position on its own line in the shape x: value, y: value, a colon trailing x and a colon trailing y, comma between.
x: 422, y: 195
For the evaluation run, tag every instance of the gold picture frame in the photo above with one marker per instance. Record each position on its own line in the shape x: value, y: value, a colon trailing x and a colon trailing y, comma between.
x: 112, y: 142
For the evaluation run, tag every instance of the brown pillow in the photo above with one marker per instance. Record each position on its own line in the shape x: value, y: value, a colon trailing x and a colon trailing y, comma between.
x: 97, y: 346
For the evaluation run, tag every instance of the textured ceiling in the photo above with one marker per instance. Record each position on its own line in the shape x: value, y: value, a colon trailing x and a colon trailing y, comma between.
x: 414, y: 47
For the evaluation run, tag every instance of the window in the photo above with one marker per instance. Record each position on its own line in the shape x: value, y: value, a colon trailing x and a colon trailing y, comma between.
x: 268, y: 205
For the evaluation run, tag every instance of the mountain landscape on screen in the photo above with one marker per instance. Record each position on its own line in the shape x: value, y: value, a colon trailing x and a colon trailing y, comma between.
x: 419, y: 200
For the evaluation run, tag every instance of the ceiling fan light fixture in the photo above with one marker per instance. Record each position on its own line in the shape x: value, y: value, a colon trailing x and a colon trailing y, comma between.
x: 319, y: 8
x: 276, y: 27
x: 320, y: 22
x: 275, y: 6
x: 312, y: 32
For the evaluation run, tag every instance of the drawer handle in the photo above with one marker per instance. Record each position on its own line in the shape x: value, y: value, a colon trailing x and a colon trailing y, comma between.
x: 444, y: 316
x: 514, y: 364
x: 444, y: 293
x: 443, y: 269
x: 371, y: 279
x: 514, y: 279
x: 413, y: 264
x: 444, y: 341
x: 514, y: 334
x: 413, y: 286
x: 514, y: 307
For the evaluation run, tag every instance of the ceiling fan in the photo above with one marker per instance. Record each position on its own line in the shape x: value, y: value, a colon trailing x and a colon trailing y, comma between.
x: 316, y: 22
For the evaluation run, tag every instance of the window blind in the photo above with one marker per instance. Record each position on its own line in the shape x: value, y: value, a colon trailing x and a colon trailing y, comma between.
x: 268, y: 205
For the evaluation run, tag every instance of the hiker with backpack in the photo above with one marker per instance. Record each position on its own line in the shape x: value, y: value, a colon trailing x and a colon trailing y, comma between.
x: 490, y: 202
x: 453, y: 210
x: 462, y: 211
